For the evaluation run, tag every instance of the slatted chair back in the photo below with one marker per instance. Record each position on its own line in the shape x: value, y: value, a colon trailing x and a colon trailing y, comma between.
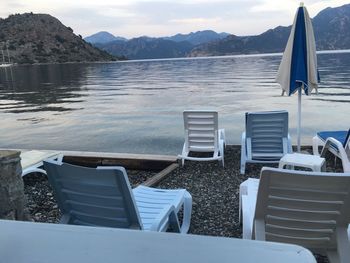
x: 201, y: 131
x: 266, y: 135
x: 304, y: 208
x: 89, y: 196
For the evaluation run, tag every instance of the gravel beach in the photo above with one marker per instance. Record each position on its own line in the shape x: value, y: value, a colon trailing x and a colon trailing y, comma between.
x: 215, y: 192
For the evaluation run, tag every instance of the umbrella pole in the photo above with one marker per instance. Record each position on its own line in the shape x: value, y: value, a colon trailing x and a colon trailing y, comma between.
x: 299, y: 116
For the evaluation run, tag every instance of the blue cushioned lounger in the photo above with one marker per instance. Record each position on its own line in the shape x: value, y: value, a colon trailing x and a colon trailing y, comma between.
x: 336, y: 142
x: 340, y: 136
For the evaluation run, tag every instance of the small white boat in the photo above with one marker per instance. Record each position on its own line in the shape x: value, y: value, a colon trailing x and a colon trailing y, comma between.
x: 4, y: 65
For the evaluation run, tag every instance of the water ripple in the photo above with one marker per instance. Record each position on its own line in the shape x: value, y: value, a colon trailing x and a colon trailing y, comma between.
x: 137, y: 106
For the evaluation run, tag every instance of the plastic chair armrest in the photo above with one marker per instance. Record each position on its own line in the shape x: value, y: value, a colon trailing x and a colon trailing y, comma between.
x: 343, y: 156
x: 222, y: 136
x: 168, y: 213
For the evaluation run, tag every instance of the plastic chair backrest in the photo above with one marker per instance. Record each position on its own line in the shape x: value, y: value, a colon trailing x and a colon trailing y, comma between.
x: 266, y: 131
x: 201, y: 130
x: 303, y: 208
x: 89, y: 196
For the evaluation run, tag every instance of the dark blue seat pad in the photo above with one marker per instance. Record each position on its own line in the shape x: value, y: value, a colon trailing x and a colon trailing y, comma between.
x: 341, y: 136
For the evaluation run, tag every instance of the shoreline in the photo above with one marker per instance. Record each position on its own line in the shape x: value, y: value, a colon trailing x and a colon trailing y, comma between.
x: 119, y: 60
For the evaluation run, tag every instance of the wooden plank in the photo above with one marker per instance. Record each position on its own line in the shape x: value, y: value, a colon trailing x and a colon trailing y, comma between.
x: 169, y: 158
x: 129, y: 161
x: 132, y: 164
x: 137, y: 164
x: 161, y: 175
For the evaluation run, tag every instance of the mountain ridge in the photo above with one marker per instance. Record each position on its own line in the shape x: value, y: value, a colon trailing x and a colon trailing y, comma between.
x: 330, y: 26
x: 198, y: 37
x: 147, y: 48
x: 144, y: 47
x: 103, y: 37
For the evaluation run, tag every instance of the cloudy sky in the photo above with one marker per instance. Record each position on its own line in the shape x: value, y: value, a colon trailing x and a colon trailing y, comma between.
x: 133, y: 18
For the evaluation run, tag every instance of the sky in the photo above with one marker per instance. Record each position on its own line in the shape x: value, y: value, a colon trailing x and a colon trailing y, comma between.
x: 156, y: 18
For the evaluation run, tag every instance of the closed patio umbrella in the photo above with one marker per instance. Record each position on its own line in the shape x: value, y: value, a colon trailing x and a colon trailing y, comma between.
x: 298, y: 68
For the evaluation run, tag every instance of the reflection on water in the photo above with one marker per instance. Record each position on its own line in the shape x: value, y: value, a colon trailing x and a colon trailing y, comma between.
x: 334, y: 70
x: 136, y: 106
x: 40, y: 88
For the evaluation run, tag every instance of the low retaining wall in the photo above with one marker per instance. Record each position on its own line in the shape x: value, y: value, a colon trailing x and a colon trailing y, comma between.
x: 12, y: 198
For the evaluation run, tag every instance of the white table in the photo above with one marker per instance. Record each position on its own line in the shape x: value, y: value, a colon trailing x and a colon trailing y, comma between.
x: 27, y: 242
x: 313, y: 162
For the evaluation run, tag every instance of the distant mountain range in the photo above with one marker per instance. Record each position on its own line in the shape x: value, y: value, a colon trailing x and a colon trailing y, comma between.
x: 195, y: 38
x: 40, y: 38
x: 331, y: 27
x: 179, y: 45
x: 147, y: 48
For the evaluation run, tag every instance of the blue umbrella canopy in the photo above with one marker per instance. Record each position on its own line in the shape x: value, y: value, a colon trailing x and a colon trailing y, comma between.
x: 298, y: 68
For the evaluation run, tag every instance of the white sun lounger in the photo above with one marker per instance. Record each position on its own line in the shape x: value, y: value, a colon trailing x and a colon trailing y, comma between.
x: 32, y: 161
x: 202, y: 135
x: 103, y: 197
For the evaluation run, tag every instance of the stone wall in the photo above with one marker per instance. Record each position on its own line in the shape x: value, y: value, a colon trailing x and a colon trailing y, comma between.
x: 12, y: 198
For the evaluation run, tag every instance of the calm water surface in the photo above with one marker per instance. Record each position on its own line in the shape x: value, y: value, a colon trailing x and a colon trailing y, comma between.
x: 136, y: 106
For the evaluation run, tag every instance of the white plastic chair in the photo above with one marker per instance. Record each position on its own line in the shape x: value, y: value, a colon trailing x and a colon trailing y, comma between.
x: 336, y: 142
x: 202, y: 135
x: 304, y: 208
x: 266, y: 138
x: 103, y: 197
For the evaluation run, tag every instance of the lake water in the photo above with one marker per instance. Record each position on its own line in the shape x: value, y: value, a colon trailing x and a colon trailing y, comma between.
x: 136, y: 106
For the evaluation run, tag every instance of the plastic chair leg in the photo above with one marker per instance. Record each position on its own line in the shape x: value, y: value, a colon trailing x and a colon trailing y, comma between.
x: 187, y: 211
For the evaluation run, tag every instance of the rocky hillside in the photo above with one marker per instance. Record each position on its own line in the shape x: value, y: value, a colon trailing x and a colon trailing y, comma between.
x: 41, y: 38
x: 331, y: 27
